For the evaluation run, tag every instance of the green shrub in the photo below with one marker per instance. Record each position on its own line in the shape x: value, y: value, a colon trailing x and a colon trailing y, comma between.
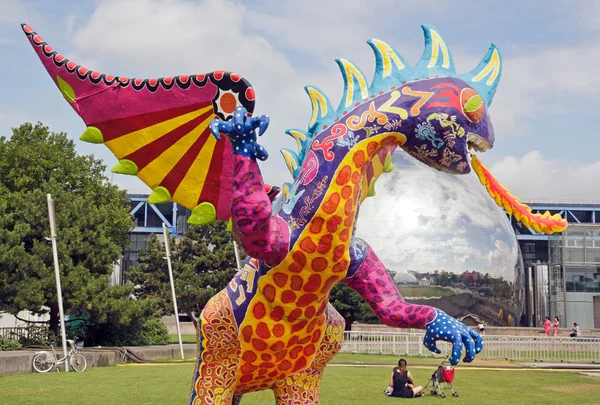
x: 9, y: 344
x: 152, y: 332
x: 37, y: 336
x: 142, y: 332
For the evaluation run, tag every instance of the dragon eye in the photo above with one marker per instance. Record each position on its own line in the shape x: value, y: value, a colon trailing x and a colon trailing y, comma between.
x: 472, y: 105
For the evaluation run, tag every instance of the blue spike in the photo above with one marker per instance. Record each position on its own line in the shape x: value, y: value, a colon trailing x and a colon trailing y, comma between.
x: 301, y: 137
x: 391, y: 69
x: 486, y: 76
x: 285, y: 190
x: 355, y: 86
x: 292, y: 161
x: 436, y: 59
x: 322, y: 110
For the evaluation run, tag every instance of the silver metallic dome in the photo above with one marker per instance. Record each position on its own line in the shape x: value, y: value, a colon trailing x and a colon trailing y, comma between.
x: 447, y: 242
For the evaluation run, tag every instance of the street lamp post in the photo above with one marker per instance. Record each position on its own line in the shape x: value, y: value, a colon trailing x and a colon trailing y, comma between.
x: 168, y: 257
x: 57, y: 274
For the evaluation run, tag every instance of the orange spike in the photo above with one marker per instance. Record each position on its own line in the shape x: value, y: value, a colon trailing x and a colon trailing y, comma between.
x: 541, y: 223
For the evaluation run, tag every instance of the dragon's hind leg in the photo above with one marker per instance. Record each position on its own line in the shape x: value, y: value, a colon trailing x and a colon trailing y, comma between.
x: 304, y: 386
x: 218, y: 354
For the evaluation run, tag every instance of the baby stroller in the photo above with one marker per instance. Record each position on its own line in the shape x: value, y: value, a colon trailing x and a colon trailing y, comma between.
x: 443, y: 377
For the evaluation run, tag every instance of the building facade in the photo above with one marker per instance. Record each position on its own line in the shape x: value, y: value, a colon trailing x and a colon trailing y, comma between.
x: 563, y: 271
x: 148, y: 220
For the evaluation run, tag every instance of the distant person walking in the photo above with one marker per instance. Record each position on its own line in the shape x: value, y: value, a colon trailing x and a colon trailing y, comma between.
x: 576, y: 331
x: 556, y: 326
x: 547, y: 326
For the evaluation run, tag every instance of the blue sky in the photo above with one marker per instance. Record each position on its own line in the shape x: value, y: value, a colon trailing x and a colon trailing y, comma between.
x: 546, y: 143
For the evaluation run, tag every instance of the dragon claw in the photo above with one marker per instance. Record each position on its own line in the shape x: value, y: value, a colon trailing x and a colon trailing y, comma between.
x: 241, y: 132
x: 448, y: 329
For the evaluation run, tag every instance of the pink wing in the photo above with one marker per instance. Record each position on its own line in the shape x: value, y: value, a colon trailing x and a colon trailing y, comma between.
x: 158, y: 128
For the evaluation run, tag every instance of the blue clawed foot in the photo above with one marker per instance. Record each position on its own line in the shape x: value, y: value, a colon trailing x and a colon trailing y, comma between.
x: 448, y: 329
x: 241, y: 131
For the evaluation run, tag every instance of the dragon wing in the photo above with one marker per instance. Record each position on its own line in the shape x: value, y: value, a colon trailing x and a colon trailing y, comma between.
x: 158, y: 128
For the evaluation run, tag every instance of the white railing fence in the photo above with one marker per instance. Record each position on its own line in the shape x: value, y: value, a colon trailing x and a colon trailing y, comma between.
x: 495, y: 347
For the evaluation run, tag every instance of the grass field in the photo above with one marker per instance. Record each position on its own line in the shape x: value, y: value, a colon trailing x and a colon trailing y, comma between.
x: 169, y: 384
x: 184, y: 338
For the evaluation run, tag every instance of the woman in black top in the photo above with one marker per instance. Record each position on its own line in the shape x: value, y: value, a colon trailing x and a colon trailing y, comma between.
x: 402, y: 382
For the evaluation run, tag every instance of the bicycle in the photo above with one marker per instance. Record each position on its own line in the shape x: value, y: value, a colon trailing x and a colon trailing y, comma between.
x: 45, y: 361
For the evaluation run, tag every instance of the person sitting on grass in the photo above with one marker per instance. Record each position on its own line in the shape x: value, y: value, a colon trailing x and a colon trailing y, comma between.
x: 402, y: 383
x: 576, y: 330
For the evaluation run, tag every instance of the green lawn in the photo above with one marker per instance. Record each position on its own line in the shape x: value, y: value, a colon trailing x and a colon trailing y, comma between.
x: 184, y: 338
x: 169, y: 384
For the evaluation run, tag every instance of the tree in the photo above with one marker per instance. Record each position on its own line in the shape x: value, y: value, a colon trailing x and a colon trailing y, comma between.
x: 92, y: 222
x: 350, y: 305
x: 203, y: 263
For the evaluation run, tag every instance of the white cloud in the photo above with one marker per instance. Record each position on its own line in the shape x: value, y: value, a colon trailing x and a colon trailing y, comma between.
x: 538, y: 177
x: 188, y: 37
x: 169, y: 37
x: 548, y: 82
x: 13, y: 11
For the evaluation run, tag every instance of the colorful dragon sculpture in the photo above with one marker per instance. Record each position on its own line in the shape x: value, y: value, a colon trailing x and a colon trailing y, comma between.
x: 272, y: 326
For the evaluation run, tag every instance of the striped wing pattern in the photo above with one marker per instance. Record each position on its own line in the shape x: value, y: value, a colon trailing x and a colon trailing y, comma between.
x: 158, y: 128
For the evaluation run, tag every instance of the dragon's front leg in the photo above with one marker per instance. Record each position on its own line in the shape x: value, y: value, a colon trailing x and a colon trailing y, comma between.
x: 261, y: 235
x: 368, y: 276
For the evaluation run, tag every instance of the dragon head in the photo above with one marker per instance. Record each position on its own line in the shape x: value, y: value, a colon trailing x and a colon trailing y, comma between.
x: 428, y: 110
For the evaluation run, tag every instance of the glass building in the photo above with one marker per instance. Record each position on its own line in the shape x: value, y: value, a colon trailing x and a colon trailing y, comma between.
x: 574, y: 275
x: 148, y: 220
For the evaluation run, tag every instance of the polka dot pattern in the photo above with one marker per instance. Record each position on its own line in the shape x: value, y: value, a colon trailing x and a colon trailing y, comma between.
x: 448, y: 329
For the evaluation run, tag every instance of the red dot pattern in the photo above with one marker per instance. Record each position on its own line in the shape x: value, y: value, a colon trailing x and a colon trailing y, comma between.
x: 285, y: 328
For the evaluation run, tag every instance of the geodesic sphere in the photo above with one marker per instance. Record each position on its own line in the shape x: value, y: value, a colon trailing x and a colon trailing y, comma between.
x: 446, y: 240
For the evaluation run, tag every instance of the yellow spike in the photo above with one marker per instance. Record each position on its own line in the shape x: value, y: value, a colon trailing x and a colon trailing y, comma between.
x: 290, y: 161
x: 437, y: 44
x: 354, y: 77
x: 493, y: 66
x: 299, y: 137
x: 387, y: 56
x: 285, y: 191
x: 319, y: 103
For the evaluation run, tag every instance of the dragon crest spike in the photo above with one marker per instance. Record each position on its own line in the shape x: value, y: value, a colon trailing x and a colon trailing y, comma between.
x: 300, y: 137
x: 436, y: 58
x: 285, y: 191
x: 355, y: 85
x: 291, y: 160
x: 390, y: 66
x: 322, y: 110
x: 486, y: 76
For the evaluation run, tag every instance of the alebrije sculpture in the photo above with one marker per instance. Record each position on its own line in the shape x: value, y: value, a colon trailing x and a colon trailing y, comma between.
x: 272, y: 327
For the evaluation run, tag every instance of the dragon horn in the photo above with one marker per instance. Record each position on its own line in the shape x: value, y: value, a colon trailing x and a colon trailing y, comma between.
x: 486, y: 76
x: 436, y: 59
